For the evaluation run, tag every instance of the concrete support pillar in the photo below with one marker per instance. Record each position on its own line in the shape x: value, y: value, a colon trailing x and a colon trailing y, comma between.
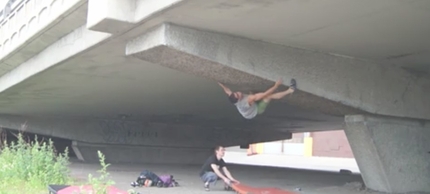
x: 392, y: 153
x: 111, y: 16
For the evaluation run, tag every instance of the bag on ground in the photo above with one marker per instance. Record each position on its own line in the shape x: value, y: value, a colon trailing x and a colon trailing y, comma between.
x: 148, y: 179
x: 167, y: 180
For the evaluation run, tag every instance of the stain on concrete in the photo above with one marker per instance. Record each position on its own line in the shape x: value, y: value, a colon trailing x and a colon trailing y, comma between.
x: 418, y: 72
x: 123, y: 132
x: 400, y: 55
x: 225, y: 6
x: 197, y: 66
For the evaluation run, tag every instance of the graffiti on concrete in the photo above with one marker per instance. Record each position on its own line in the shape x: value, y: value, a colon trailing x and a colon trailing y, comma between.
x: 119, y: 131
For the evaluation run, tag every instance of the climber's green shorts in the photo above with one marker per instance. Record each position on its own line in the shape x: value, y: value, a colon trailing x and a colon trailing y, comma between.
x: 261, y: 106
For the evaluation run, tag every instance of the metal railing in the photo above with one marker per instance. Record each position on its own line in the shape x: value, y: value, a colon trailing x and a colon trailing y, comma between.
x: 9, y: 8
x: 19, y: 16
x: 8, y: 20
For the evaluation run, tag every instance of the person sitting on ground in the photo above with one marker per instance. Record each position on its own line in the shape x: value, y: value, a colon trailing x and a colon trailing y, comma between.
x: 211, y: 170
x: 251, y: 105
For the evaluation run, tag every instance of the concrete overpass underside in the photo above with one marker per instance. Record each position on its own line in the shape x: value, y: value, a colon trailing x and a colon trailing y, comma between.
x: 137, y: 79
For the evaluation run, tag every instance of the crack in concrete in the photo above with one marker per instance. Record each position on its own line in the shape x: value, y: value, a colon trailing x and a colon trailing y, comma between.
x: 411, y: 78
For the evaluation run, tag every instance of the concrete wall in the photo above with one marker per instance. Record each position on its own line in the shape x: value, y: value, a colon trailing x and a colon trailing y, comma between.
x: 141, y: 154
x: 331, y: 144
x: 320, y: 144
x: 279, y: 147
x: 138, y: 140
x: 293, y: 146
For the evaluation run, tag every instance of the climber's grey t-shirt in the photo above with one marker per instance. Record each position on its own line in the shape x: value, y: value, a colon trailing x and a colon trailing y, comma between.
x: 247, y: 111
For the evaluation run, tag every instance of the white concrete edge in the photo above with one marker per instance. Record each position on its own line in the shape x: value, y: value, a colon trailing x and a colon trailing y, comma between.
x: 40, y: 28
x: 58, y: 52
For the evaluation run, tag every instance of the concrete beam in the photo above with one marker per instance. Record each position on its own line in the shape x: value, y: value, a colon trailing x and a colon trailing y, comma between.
x: 141, y: 154
x: 111, y: 16
x: 332, y: 84
x: 43, y: 28
x: 117, y: 16
x: 392, y: 154
x: 140, y: 133
x: 65, y: 48
x: 140, y: 141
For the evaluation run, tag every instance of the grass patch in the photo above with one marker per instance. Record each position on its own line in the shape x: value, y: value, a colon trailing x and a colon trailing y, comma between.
x: 29, y: 166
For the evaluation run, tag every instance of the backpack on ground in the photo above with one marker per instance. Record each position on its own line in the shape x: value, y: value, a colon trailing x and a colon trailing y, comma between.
x: 149, y: 179
x: 167, y: 180
x: 146, y: 178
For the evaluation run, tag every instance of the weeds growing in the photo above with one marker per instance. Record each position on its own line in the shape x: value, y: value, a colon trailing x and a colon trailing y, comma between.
x: 102, y: 183
x: 29, y: 166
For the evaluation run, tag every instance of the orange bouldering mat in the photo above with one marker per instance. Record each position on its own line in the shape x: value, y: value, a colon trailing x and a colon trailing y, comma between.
x: 245, y: 189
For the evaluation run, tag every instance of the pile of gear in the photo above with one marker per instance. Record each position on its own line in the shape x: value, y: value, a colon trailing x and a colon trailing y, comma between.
x: 150, y: 179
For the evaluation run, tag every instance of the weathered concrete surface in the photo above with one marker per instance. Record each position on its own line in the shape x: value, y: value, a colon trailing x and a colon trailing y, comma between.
x: 101, y: 81
x: 132, y: 132
x: 87, y: 152
x: 347, y: 81
x: 72, y: 83
x: 72, y: 44
x: 36, y: 32
x: 141, y: 141
x: 117, y: 16
x: 392, y: 154
x: 110, y: 16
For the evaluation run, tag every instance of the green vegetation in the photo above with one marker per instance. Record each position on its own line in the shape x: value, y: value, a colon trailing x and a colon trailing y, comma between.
x: 30, y: 166
x: 101, y: 184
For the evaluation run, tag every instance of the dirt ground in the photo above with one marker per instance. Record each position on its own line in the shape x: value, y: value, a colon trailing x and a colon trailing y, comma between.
x: 310, y: 182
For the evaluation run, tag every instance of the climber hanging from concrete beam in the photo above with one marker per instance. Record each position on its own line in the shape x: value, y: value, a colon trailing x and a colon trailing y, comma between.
x: 251, y: 105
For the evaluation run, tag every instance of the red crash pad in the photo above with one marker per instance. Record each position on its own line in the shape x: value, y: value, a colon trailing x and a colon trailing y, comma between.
x: 245, y: 189
x: 65, y: 189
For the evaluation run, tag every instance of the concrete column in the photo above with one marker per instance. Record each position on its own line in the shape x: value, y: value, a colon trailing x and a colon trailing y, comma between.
x: 392, y: 153
x: 111, y: 16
